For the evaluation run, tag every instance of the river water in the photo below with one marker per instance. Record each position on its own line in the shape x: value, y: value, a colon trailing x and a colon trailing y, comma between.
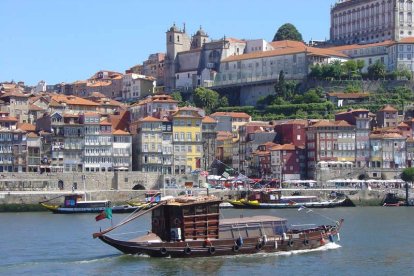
x: 374, y: 241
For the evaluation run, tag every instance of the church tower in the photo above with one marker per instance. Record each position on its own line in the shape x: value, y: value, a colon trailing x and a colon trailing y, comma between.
x: 199, y: 39
x: 177, y: 41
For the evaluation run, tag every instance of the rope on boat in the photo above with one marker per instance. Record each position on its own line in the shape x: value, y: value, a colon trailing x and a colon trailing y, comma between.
x: 51, y: 199
x: 95, y: 235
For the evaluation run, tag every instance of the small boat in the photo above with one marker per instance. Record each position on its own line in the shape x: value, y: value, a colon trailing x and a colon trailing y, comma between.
x: 186, y: 227
x: 273, y: 198
x: 150, y: 197
x: 74, y: 204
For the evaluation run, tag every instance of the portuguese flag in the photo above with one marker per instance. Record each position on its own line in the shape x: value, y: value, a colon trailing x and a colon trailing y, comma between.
x: 107, y: 213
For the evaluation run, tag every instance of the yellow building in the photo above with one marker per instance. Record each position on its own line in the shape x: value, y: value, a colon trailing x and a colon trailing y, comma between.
x: 187, y: 140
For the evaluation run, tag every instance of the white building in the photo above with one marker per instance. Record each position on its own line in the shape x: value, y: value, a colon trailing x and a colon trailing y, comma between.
x: 135, y: 86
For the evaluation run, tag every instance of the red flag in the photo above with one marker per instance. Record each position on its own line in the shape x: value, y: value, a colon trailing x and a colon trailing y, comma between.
x: 102, y: 215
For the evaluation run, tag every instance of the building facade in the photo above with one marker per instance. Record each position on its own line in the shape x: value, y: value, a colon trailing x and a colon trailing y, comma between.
x: 369, y: 21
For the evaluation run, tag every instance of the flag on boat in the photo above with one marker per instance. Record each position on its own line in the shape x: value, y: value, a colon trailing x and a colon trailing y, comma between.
x: 107, y: 213
x: 301, y: 208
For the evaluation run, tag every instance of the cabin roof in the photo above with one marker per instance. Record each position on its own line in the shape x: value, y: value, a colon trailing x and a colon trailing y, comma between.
x: 193, y: 200
x: 251, y: 219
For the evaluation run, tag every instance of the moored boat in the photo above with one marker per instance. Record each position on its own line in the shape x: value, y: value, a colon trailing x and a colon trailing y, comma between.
x: 273, y: 198
x: 191, y: 227
x: 74, y: 204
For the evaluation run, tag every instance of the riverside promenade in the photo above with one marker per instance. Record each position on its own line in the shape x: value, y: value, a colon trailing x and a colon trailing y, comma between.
x: 23, y: 191
x: 28, y: 200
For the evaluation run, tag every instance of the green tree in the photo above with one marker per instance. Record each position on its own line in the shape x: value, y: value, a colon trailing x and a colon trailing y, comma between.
x: 177, y: 96
x: 337, y: 69
x: 311, y: 96
x: 351, y: 68
x: 408, y: 175
x: 280, y: 87
x: 287, y: 32
x: 206, y: 99
x: 360, y: 65
x: 316, y: 72
x: 377, y: 70
x: 223, y: 102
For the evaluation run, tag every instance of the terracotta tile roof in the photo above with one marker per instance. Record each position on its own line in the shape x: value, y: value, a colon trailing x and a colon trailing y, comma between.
x: 32, y: 135
x: 406, y: 40
x: 326, y: 123
x: 105, y: 122
x: 208, y: 120
x: 283, y: 147
x: 150, y: 119
x: 343, y: 95
x: 402, y: 124
x: 34, y: 107
x: 388, y: 108
x: 8, y: 119
x: 361, y: 46
x: 287, y: 51
x: 231, y: 114
x: 120, y: 132
x: 120, y: 121
x: 97, y: 95
x: 99, y: 83
x: 14, y: 93
x: 73, y: 100
x: 163, y: 98
x: 26, y: 127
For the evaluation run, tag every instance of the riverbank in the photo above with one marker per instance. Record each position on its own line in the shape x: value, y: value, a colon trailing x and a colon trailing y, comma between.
x: 28, y: 201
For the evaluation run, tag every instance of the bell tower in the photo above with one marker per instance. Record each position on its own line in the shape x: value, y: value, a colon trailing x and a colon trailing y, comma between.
x: 176, y: 41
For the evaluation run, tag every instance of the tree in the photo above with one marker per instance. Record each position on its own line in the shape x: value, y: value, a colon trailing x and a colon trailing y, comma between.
x: 408, y: 175
x: 280, y: 87
x: 360, y: 65
x: 377, y: 70
x: 287, y: 32
x: 177, y: 96
x: 206, y: 99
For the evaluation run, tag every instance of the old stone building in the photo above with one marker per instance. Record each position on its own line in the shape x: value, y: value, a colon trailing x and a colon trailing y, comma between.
x: 369, y: 21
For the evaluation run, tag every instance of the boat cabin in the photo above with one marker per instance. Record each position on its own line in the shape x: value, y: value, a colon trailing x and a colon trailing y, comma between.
x: 187, y: 219
x: 250, y: 227
x: 275, y: 196
x: 192, y: 219
x: 74, y: 201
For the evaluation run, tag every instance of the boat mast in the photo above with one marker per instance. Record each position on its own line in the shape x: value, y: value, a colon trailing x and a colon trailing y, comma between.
x: 84, y: 186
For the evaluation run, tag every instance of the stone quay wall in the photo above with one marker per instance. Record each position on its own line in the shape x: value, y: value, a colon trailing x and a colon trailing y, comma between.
x: 93, y: 181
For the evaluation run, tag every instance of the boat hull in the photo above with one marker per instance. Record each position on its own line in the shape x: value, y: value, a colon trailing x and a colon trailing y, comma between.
x: 66, y: 210
x: 184, y: 249
x: 318, y: 204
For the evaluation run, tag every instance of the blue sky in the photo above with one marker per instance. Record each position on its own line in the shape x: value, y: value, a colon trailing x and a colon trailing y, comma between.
x: 69, y: 40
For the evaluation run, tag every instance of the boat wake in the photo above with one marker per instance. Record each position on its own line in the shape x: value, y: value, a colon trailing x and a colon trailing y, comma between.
x: 326, y: 247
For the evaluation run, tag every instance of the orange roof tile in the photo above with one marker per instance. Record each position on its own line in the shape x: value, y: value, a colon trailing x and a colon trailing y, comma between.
x: 32, y: 135
x: 287, y: 51
x: 34, y: 107
x: 105, y: 123
x: 26, y: 127
x: 361, y: 46
x: 8, y: 119
x: 388, y: 108
x: 150, y: 119
x: 73, y: 100
x: 208, y: 120
x: 120, y: 132
x: 326, y: 123
x: 283, y: 147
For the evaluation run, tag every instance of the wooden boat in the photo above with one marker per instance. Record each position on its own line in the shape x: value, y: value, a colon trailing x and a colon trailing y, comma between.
x: 272, y: 198
x: 188, y: 227
x: 73, y: 204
